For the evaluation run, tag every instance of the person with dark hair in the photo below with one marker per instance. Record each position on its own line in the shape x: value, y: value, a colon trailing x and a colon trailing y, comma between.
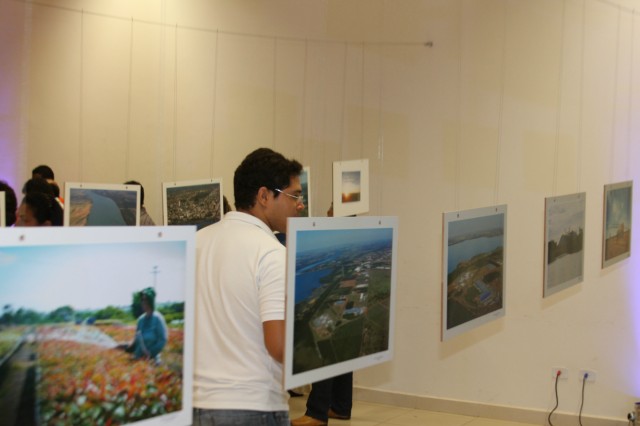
x: 151, y: 329
x: 226, y: 207
x: 43, y: 171
x: 145, y: 219
x: 240, y: 291
x: 10, y: 203
x: 39, y: 209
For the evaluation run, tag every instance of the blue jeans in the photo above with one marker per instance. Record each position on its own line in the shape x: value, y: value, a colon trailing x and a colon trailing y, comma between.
x: 204, y: 417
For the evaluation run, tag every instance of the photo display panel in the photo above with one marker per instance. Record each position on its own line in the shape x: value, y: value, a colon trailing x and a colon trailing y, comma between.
x: 97, y: 325
x: 341, y: 287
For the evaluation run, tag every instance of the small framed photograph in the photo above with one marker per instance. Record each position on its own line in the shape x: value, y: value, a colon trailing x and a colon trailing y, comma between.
x: 305, y: 182
x: 341, y: 291
x: 564, y: 242
x: 350, y: 187
x: 3, y: 210
x: 616, y: 232
x: 195, y: 202
x: 473, y: 288
x: 101, y: 321
x: 95, y: 204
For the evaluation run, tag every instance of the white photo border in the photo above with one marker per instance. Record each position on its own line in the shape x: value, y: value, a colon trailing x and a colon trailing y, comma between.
x: 100, y: 236
x: 69, y: 186
x: 358, y: 207
x: 179, y: 184
x: 3, y: 210
x: 549, y: 202
x: 295, y: 225
x: 451, y: 217
x: 607, y: 191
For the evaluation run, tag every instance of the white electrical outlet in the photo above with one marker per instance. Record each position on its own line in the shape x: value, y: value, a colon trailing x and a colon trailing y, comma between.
x: 564, y: 373
x: 590, y: 375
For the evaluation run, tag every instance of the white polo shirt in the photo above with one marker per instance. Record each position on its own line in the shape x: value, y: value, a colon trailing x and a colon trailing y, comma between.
x: 240, y: 283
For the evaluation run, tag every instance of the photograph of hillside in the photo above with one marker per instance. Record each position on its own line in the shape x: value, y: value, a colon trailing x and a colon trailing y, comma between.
x: 474, y: 260
x: 617, y: 223
x: 564, y: 242
x: 74, y: 347
x: 342, y: 295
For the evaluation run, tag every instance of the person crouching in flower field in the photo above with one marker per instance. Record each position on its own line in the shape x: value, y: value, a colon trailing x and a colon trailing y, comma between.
x: 151, y: 329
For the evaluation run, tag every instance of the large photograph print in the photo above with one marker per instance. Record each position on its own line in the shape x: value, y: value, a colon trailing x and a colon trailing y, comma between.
x: 95, y: 204
x: 196, y: 202
x: 305, y: 182
x: 564, y: 242
x: 473, y: 268
x: 350, y: 187
x: 96, y: 326
x: 616, y: 238
x: 340, y: 295
x: 3, y: 210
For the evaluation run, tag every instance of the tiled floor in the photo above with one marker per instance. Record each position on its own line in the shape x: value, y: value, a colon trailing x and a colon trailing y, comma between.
x: 367, y: 414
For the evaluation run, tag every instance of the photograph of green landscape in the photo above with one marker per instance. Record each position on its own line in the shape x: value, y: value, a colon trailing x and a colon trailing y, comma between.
x: 564, y: 242
x: 94, y: 333
x: 616, y: 245
x: 473, y: 266
x: 340, y: 301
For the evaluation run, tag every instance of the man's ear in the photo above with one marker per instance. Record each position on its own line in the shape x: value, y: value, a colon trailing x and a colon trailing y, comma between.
x: 263, y: 195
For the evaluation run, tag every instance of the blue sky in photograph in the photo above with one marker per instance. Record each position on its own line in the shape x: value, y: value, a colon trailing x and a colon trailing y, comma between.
x: 350, y: 182
x: 326, y: 239
x: 469, y: 226
x: 90, y: 276
x: 618, y: 210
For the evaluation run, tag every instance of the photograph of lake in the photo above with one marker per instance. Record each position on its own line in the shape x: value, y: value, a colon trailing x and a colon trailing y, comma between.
x: 474, y: 260
x: 564, y: 242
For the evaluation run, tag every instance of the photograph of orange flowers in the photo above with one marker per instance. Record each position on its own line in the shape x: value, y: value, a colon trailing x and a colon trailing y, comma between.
x: 92, y: 334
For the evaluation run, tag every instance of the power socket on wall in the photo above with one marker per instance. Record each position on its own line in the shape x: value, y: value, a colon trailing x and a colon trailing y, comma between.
x: 590, y: 375
x: 564, y: 373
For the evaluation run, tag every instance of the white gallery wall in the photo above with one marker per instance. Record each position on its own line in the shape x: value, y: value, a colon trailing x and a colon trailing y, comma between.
x: 457, y: 105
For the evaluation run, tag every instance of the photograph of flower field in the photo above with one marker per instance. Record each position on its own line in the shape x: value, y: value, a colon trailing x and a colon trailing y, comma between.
x: 69, y: 325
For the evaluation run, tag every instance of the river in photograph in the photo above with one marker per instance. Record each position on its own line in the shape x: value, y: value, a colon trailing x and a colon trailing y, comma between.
x: 469, y: 248
x: 307, y: 282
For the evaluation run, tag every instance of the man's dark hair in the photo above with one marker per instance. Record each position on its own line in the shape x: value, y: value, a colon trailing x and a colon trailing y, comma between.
x: 43, y: 171
x: 263, y: 167
x: 10, y: 203
x: 38, y: 184
x: 44, y: 207
x: 133, y: 182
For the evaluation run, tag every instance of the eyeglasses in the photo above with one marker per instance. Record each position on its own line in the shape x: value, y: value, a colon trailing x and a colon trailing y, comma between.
x: 299, y: 198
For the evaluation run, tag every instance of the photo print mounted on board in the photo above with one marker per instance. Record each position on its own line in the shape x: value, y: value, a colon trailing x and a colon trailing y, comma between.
x: 564, y: 242
x: 616, y: 229
x: 305, y: 182
x: 195, y: 202
x: 95, y: 204
x: 75, y: 321
x: 350, y: 187
x: 341, y: 286
x: 3, y: 210
x: 474, y: 247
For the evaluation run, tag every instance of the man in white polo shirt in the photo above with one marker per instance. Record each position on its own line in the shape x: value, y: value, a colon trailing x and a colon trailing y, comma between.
x: 240, y: 290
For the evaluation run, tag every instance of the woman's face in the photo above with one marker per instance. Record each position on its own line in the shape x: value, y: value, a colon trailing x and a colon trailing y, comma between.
x: 146, y: 306
x: 26, y: 216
